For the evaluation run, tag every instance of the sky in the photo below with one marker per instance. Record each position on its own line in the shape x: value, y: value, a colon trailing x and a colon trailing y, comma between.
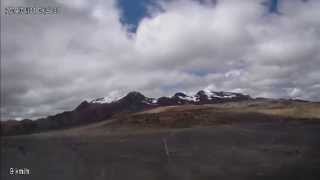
x: 97, y: 48
x: 133, y: 11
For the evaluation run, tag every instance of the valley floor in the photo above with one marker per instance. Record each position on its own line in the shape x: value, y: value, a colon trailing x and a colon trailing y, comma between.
x: 235, y: 151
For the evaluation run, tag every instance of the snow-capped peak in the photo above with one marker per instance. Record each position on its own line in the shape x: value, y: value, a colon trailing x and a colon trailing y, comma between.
x: 202, y: 96
x: 112, y: 97
x: 209, y: 93
x: 185, y: 97
x: 212, y: 94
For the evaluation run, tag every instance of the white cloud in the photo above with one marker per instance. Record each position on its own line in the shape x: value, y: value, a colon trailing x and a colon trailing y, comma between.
x: 85, y: 52
x: 294, y: 92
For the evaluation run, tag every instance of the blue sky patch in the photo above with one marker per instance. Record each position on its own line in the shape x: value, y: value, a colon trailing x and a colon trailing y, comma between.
x: 133, y: 12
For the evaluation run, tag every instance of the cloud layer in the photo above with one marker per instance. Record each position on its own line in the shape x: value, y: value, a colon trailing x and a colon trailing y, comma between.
x: 51, y: 63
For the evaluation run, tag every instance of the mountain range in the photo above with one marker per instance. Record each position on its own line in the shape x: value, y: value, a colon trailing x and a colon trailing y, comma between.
x: 104, y: 108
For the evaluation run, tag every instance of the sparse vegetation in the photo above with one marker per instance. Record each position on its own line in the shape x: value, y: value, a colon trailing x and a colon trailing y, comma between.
x: 228, y: 113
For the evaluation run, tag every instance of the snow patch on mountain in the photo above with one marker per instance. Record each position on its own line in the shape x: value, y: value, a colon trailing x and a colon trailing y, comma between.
x: 210, y: 93
x: 222, y: 95
x: 150, y: 101
x: 188, y: 98
x: 154, y: 101
x: 112, y: 97
x: 179, y: 98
